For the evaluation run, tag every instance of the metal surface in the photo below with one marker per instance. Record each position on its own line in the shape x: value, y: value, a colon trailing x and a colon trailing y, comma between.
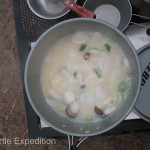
x: 137, y: 35
x: 141, y: 107
x: 123, y: 6
x: 48, y: 9
x: 35, y: 61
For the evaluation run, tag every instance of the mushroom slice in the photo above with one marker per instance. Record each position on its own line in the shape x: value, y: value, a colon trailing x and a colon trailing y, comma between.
x: 87, y: 56
x: 98, y: 111
x: 83, y: 86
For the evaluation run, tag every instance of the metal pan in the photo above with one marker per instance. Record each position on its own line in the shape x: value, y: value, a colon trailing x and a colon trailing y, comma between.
x: 48, y: 9
x: 115, y: 12
x: 35, y: 61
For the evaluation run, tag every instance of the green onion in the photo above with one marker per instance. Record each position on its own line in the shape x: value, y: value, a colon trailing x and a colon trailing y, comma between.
x: 98, y: 72
x: 108, y: 47
x: 122, y: 86
x: 82, y: 48
x: 74, y: 74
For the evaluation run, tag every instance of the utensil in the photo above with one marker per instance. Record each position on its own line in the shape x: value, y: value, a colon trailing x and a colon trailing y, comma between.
x: 79, y: 10
x: 35, y: 62
x: 48, y: 9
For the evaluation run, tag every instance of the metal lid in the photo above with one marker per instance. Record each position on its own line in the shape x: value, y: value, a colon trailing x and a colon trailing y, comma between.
x: 142, y: 106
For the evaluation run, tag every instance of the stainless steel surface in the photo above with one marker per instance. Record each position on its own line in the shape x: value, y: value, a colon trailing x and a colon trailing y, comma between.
x: 48, y: 9
x: 35, y: 61
x: 137, y: 35
x: 123, y: 6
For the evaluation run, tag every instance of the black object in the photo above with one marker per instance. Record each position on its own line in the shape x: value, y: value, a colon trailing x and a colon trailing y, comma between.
x: 141, y: 7
x: 28, y: 28
x: 148, y: 31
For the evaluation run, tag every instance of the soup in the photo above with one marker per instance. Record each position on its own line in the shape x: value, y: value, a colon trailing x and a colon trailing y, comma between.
x: 85, y: 77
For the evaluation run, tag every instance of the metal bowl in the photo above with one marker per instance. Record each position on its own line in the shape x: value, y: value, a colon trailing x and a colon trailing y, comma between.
x: 33, y: 69
x: 48, y: 9
x: 123, y: 6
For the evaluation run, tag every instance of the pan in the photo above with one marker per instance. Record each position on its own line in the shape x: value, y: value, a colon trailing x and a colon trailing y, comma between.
x: 33, y: 69
x: 48, y: 9
x: 116, y: 12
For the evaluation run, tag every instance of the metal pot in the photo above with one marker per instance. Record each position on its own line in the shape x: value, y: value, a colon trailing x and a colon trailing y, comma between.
x: 48, y: 9
x: 115, y: 12
x: 33, y: 69
x: 103, y: 10
x: 123, y: 6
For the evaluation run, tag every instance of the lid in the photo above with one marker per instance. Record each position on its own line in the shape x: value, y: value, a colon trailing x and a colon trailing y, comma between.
x: 142, y: 106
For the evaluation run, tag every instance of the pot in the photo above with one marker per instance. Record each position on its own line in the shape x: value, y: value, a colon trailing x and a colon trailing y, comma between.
x: 115, y: 12
x: 33, y: 69
x: 48, y: 9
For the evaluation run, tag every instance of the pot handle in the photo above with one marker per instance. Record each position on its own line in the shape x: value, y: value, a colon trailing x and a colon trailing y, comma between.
x: 79, y: 10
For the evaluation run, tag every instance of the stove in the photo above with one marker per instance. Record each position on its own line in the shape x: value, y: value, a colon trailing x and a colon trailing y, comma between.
x: 29, y: 27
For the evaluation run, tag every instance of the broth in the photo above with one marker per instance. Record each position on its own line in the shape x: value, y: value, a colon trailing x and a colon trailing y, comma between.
x: 85, y: 77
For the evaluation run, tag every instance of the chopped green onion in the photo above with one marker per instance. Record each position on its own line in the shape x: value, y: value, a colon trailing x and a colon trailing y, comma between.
x: 98, y: 73
x: 108, y: 47
x: 74, y: 74
x: 122, y: 86
x: 82, y: 48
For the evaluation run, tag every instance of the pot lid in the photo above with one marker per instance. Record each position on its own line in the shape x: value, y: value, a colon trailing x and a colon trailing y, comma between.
x: 142, y: 106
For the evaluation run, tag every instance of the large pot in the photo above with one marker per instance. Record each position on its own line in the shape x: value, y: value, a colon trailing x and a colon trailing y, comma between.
x: 33, y: 69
